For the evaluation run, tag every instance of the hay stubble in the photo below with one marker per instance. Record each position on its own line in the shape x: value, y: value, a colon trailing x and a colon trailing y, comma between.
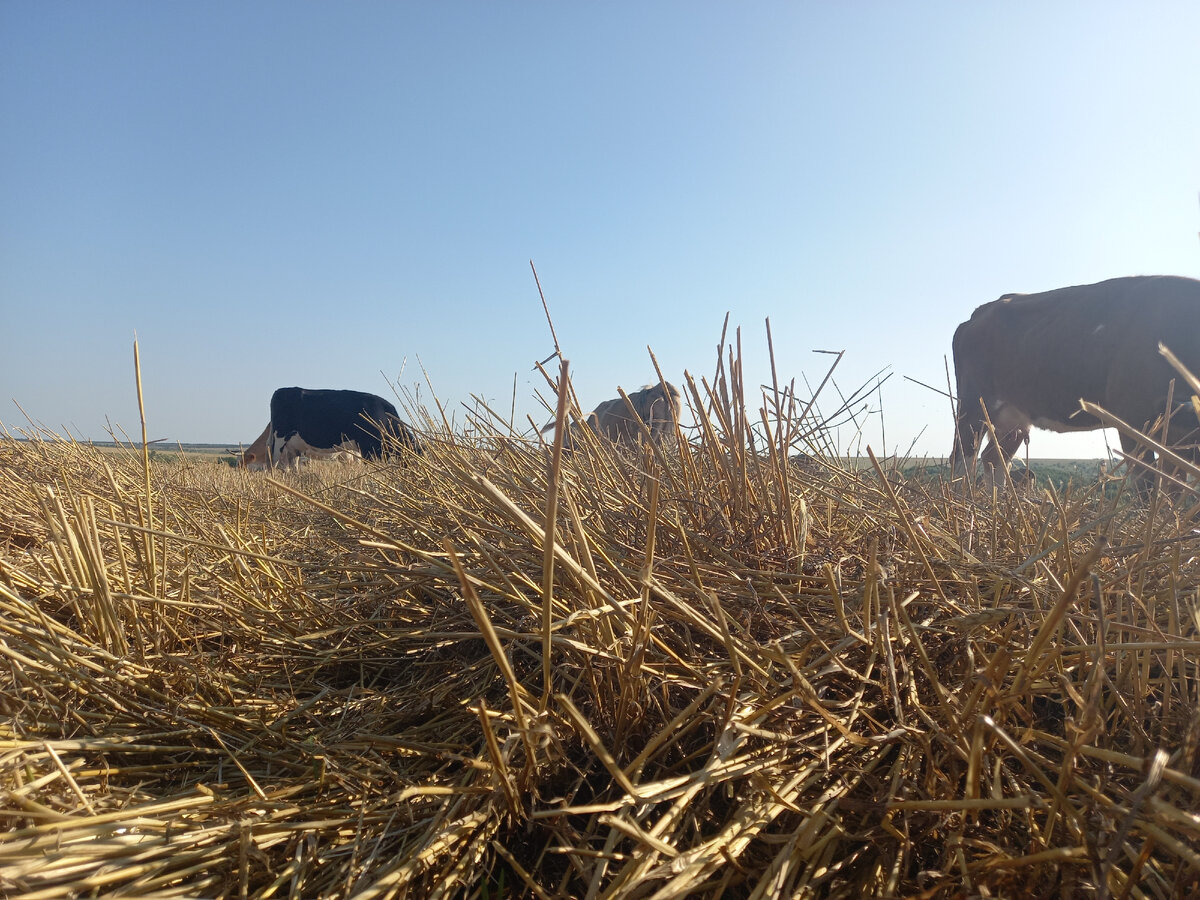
x: 742, y: 676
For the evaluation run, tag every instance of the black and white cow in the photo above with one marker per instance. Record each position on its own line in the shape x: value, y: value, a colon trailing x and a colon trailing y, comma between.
x: 316, y: 422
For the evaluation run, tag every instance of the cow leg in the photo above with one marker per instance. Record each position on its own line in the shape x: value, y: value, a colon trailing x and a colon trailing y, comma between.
x: 966, y: 449
x: 1000, y: 454
x: 275, y: 446
x: 970, y: 430
x: 1143, y: 477
x: 1011, y: 429
x: 1181, y: 439
x: 286, y: 452
x: 996, y: 455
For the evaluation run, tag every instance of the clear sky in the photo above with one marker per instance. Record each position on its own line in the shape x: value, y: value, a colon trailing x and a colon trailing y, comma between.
x: 337, y: 194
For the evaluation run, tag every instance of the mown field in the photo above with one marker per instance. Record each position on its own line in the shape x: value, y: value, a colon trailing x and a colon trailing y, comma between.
x: 1058, y: 473
x: 497, y: 671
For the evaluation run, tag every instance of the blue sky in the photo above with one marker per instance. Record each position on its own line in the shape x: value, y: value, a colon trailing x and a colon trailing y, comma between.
x: 335, y: 195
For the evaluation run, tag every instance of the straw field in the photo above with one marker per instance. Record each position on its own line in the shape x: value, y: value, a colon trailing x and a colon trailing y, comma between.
x: 501, y: 670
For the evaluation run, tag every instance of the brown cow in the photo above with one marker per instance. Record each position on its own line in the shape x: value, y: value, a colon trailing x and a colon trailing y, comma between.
x: 1031, y: 358
x: 656, y: 406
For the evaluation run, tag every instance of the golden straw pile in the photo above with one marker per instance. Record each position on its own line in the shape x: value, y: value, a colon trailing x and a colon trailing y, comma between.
x: 503, y: 670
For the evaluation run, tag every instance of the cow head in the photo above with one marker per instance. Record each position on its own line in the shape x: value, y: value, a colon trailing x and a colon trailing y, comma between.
x: 255, y: 457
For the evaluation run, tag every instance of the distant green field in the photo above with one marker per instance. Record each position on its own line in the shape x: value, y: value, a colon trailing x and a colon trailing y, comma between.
x: 163, y: 451
x: 1058, y: 472
x: 193, y: 452
x: 1061, y: 471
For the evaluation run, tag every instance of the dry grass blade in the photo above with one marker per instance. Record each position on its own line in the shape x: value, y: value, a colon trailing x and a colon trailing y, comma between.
x: 767, y: 675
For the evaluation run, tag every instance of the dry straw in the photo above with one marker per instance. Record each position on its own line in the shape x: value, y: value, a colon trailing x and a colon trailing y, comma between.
x: 714, y: 670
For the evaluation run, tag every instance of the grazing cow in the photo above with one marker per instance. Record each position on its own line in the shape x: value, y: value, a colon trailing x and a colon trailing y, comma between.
x: 1030, y: 359
x: 318, y: 422
x: 656, y: 406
